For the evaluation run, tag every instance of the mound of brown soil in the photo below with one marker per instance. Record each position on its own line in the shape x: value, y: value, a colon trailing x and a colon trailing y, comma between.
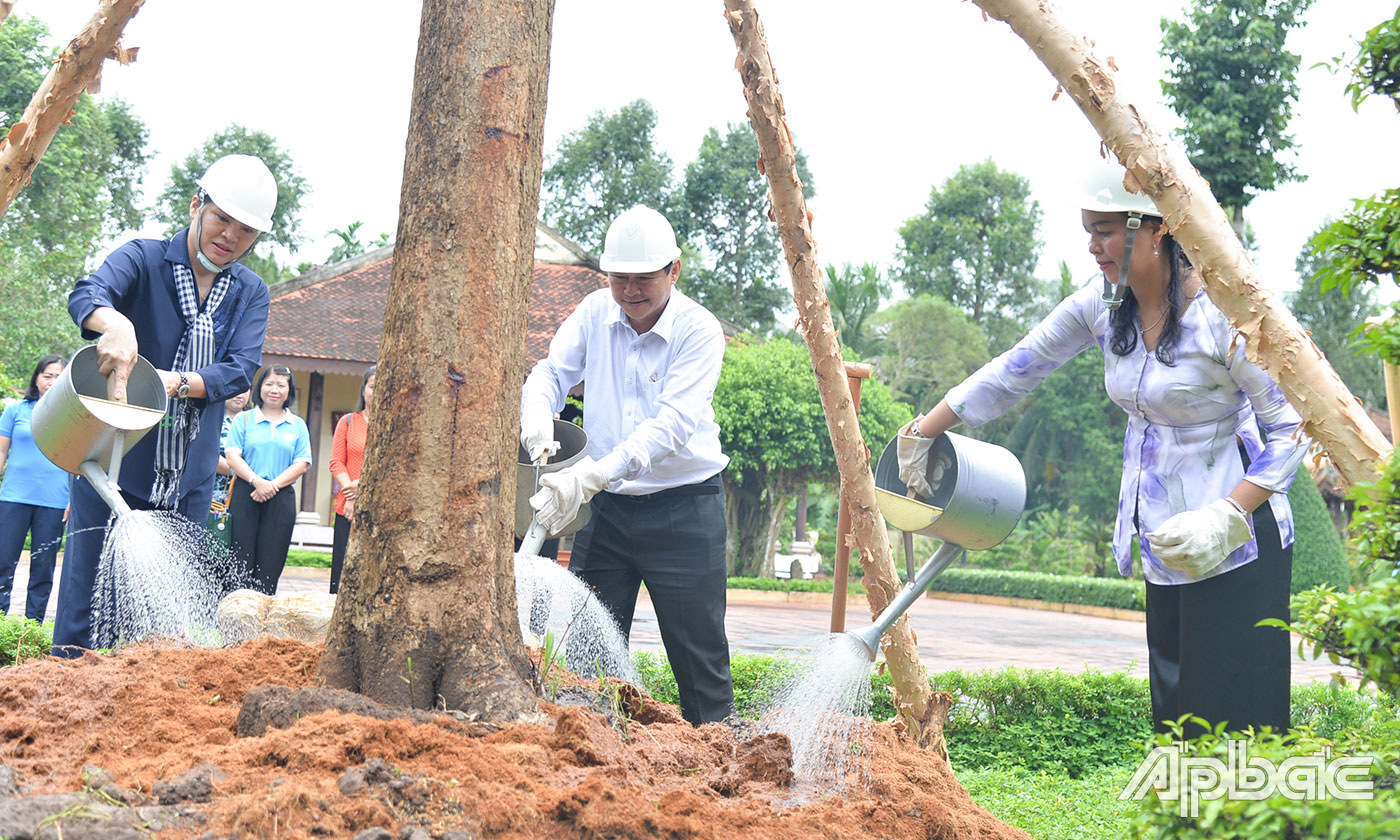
x: 151, y: 738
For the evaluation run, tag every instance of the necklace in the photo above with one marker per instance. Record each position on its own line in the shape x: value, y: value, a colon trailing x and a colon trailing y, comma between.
x: 1160, y: 319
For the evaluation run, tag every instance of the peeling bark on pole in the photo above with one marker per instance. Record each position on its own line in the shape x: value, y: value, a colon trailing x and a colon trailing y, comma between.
x: 426, y: 615
x: 6, y: 6
x: 922, y: 710
x: 78, y: 69
x: 1273, y: 338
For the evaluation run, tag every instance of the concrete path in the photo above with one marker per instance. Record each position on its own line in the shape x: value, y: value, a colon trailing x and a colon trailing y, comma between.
x: 952, y: 634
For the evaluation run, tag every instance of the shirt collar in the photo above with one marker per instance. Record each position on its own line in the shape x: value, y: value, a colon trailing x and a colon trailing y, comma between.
x: 664, y: 326
x: 259, y: 417
x: 179, y: 251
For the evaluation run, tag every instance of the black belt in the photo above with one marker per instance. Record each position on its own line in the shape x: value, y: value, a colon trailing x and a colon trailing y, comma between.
x: 709, y: 487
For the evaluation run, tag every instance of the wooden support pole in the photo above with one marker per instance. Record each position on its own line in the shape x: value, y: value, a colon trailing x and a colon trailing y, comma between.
x: 922, y: 711
x: 6, y: 6
x: 78, y: 69
x: 1156, y: 165
x: 855, y: 373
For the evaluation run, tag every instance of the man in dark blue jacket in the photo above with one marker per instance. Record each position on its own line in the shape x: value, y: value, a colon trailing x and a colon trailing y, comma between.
x: 186, y: 306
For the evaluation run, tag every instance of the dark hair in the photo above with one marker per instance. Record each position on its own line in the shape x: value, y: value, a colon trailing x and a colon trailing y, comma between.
x: 364, y: 380
x: 279, y: 370
x: 1123, y: 321
x: 33, y: 392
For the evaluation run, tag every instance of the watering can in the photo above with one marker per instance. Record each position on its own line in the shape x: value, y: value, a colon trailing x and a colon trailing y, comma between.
x: 978, y: 497
x: 80, y: 430
x: 573, y: 445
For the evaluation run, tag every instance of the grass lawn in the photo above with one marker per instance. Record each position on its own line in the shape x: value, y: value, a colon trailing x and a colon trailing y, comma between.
x: 1049, y: 807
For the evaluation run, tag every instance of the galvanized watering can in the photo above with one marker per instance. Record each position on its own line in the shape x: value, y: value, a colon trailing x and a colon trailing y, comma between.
x: 82, y: 431
x: 979, y: 493
x: 573, y: 445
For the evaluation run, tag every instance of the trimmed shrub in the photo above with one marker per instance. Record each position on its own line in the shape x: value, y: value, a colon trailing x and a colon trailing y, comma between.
x: 23, y: 639
x: 1318, y: 559
x: 1121, y: 593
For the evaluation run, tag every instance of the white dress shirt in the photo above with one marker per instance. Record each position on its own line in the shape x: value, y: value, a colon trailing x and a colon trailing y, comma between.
x: 1185, y: 420
x: 648, y: 405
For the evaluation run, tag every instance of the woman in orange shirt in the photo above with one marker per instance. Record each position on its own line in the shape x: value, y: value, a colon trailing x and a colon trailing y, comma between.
x: 347, y: 454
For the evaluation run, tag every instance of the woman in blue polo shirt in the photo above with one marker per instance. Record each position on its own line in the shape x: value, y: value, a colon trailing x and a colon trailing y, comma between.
x: 268, y: 448
x: 33, y: 497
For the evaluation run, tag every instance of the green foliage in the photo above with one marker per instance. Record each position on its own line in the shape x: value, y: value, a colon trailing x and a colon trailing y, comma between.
x: 1376, y: 67
x: 1330, y: 710
x: 1362, y: 246
x: 351, y: 245
x: 1115, y: 592
x: 774, y: 432
x: 1318, y: 559
x: 855, y: 294
x: 1278, y: 815
x: 1334, y: 318
x: 1362, y: 628
x: 609, y: 165
x: 23, y: 639
x: 1375, y: 528
x: 1233, y: 84
x: 1053, y: 542
x: 724, y: 212
x: 1051, y: 806
x: 927, y: 345
x: 173, y: 205
x: 768, y: 584
x: 976, y: 245
x: 312, y: 559
x: 84, y: 188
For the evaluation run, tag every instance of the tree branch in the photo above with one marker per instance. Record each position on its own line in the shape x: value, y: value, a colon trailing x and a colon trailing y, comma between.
x: 922, y: 711
x: 1273, y: 338
x: 78, y: 69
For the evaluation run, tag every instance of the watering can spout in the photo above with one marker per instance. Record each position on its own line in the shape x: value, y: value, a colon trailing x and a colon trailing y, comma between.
x: 105, y: 487
x: 870, y: 636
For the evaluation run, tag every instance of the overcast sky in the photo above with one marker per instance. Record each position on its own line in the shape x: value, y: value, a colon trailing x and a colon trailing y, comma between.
x: 886, y: 98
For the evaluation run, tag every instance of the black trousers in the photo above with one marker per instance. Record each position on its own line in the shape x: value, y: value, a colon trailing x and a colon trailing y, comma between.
x: 340, y: 538
x: 673, y: 541
x: 1206, y: 657
x: 262, y: 533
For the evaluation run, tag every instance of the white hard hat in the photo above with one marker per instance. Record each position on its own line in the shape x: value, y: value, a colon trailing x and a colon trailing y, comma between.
x: 1103, y: 190
x: 639, y: 241
x: 243, y: 187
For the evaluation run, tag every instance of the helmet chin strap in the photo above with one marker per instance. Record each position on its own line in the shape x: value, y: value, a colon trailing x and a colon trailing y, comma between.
x: 209, y: 264
x: 1113, y: 292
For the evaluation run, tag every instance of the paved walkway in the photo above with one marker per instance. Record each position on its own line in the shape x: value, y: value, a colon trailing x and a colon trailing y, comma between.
x: 952, y: 634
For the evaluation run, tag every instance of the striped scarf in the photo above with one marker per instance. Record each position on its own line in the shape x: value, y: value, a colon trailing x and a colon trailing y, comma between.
x: 181, y: 422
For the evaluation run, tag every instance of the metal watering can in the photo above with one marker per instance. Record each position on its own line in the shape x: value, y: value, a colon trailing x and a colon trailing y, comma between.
x: 80, y: 430
x: 978, y: 498
x: 573, y: 445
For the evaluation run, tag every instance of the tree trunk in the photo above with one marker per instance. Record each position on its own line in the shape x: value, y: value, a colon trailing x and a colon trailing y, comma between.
x: 6, y: 6
x: 78, y: 69
x: 748, y: 524
x: 922, y: 711
x: 1273, y: 338
x: 777, y: 509
x: 427, y: 615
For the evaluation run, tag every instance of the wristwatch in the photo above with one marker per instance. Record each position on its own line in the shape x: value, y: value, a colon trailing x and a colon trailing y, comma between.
x: 184, y: 390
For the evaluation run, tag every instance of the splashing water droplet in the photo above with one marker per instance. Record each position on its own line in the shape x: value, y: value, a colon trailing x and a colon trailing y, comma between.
x: 551, y: 600
x: 824, y: 709
x: 160, y: 574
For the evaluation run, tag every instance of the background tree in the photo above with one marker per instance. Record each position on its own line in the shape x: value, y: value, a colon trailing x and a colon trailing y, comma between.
x: 173, y: 205
x: 855, y: 295
x: 426, y: 614
x: 352, y: 244
x: 774, y: 432
x: 607, y: 166
x: 976, y: 245
x: 724, y: 212
x: 927, y: 346
x: 1233, y: 83
x: 85, y: 187
x: 1333, y: 318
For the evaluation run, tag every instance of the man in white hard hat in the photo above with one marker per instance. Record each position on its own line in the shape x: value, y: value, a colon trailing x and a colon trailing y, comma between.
x: 189, y: 308
x: 650, y: 357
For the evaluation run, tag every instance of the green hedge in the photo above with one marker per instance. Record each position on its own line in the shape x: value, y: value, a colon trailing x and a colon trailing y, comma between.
x: 1061, y: 589
x: 775, y: 585
x: 1318, y: 559
x: 23, y: 639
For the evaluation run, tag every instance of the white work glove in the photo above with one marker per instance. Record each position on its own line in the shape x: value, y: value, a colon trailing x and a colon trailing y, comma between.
x: 913, y: 460
x: 562, y: 493
x: 1197, y: 541
x: 537, y: 434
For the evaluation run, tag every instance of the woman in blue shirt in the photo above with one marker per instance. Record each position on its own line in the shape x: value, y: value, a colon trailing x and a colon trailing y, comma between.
x: 268, y: 448
x: 33, y: 497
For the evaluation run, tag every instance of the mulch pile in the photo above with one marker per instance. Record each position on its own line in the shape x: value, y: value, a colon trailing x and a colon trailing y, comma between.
x: 159, y: 739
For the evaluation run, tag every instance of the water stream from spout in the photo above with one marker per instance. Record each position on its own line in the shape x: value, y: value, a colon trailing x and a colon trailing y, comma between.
x: 550, y: 600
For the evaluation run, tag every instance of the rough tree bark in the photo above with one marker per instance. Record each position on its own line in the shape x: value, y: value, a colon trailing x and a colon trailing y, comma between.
x: 1273, y: 338
x: 426, y: 614
x: 78, y: 69
x: 922, y: 710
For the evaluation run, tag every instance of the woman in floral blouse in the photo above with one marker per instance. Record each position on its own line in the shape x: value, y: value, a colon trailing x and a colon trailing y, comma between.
x: 1210, y: 450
